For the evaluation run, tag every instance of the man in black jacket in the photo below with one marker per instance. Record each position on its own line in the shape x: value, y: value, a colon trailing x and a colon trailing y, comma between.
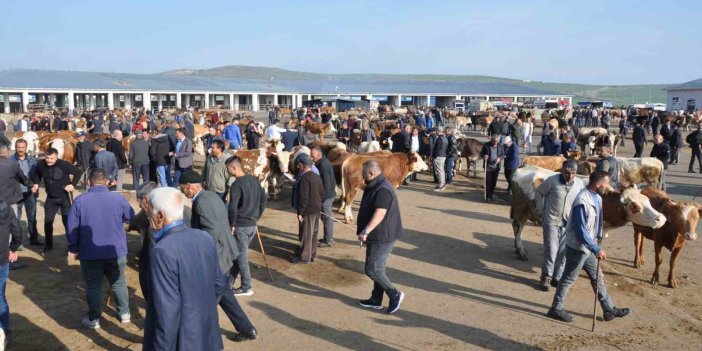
x: 247, y: 201
x: 9, y: 244
x: 676, y: 143
x: 159, y: 154
x: 402, y: 142
x: 310, y: 194
x: 329, y: 180
x: 84, y: 157
x: 438, y: 155
x: 11, y: 176
x: 695, y: 141
x: 210, y: 214
x: 661, y: 151
x: 114, y: 145
x: 493, y: 153
x: 638, y: 136
x: 59, y: 186
x: 379, y: 226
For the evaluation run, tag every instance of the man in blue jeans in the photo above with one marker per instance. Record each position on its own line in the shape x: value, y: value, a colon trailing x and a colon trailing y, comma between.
x: 28, y: 165
x: 247, y: 201
x: 9, y: 226
x: 583, y: 233
x: 96, y: 237
x: 379, y: 226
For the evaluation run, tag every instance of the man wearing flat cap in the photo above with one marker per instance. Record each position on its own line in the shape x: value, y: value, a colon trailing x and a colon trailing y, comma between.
x: 554, y: 199
x: 210, y: 215
x: 309, y: 191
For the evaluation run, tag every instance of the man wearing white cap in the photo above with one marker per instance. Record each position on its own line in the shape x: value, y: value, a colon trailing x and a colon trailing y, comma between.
x: 511, y: 161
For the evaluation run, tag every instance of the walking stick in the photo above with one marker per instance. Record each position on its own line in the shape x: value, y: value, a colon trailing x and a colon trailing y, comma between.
x: 260, y: 244
x: 484, y: 180
x: 597, y: 293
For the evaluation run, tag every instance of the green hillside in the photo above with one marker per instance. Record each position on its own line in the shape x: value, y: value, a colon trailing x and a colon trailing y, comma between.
x: 619, y: 94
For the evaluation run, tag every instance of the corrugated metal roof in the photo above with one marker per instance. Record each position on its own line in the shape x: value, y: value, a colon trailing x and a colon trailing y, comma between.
x: 50, y: 79
x: 693, y: 84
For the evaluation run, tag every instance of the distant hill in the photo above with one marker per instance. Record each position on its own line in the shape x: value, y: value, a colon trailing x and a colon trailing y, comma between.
x: 619, y: 94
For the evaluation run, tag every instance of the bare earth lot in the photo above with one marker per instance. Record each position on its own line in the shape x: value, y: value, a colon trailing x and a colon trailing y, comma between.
x: 456, y: 263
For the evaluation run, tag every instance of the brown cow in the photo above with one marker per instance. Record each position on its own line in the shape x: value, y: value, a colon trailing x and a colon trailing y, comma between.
x: 682, y: 218
x: 469, y: 149
x: 618, y: 208
x: 553, y: 163
x: 320, y: 129
x: 396, y: 167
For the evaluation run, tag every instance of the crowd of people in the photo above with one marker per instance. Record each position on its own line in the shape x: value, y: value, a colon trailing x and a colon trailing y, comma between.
x: 189, y: 259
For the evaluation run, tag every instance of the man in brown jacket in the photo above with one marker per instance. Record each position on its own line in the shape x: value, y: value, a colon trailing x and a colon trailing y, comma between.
x: 309, y: 191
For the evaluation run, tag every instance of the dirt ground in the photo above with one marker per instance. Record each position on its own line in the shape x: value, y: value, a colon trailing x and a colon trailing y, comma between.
x: 456, y: 263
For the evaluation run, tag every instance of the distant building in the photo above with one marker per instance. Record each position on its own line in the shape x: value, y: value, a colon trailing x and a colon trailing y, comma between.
x: 23, y: 89
x: 686, y: 96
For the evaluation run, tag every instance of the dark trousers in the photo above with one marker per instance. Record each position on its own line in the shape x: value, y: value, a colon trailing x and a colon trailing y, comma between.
x: 308, y: 233
x: 29, y: 202
x: 176, y: 174
x: 673, y: 155
x: 696, y: 154
x: 51, y: 207
x: 233, y: 310
x: 140, y: 170
x: 491, y: 176
x: 376, y: 260
x: 639, y: 149
x: 448, y: 168
x: 508, y: 177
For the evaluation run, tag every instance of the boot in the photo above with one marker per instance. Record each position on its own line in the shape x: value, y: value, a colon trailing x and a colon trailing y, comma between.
x: 544, y: 283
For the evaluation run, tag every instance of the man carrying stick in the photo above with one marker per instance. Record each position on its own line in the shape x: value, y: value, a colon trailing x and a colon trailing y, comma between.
x: 583, y: 233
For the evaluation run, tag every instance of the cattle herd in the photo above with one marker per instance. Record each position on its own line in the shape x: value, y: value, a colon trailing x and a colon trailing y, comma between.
x: 652, y: 212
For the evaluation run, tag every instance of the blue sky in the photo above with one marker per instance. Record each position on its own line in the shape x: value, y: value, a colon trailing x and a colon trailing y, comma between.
x: 599, y: 42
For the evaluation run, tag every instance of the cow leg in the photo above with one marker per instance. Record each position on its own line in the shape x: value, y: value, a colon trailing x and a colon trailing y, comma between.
x: 348, y: 216
x: 475, y: 168
x: 517, y: 227
x: 659, y: 260
x: 638, y: 249
x: 672, y: 283
x: 274, y: 184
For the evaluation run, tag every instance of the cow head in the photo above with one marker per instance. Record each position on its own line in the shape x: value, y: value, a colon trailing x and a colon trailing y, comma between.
x: 199, y: 146
x: 575, y: 154
x: 639, y: 210
x: 691, y: 212
x: 416, y: 163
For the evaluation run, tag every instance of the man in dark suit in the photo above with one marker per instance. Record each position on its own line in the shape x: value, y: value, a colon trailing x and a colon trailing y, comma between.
x: 184, y: 281
x: 210, y: 214
x: 310, y: 194
x: 183, y: 155
x: 114, y: 145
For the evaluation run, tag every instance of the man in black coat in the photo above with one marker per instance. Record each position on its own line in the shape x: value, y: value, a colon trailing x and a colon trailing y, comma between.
x: 159, y: 153
x: 114, y: 145
x: 676, y: 143
x: 310, y: 193
x: 210, y: 214
x: 402, y: 142
x: 11, y: 176
x: 84, y: 156
x: 638, y: 136
x: 493, y: 153
x: 695, y: 141
x: 661, y: 151
x: 329, y: 180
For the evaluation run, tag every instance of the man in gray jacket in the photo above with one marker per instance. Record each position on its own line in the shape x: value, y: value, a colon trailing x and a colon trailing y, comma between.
x: 183, y: 154
x: 554, y: 199
x: 106, y: 161
x: 215, y: 171
x: 139, y: 158
x: 583, y: 235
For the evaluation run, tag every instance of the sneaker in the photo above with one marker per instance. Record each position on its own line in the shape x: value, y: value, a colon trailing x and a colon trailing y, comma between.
x: 560, y: 315
x: 690, y: 171
x: 396, y: 302
x: 444, y: 187
x: 90, y: 324
x: 242, y: 292
x: 252, y: 335
x: 370, y: 304
x: 614, y: 313
x: 440, y: 189
x: 544, y: 283
x: 125, y: 318
x: 324, y: 243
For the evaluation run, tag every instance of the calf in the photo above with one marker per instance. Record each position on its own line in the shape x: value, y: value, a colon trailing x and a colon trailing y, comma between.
x: 469, y: 149
x: 682, y: 218
x: 553, y: 163
x: 618, y: 208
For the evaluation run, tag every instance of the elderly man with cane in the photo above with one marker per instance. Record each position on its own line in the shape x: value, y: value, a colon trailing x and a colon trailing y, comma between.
x: 583, y: 233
